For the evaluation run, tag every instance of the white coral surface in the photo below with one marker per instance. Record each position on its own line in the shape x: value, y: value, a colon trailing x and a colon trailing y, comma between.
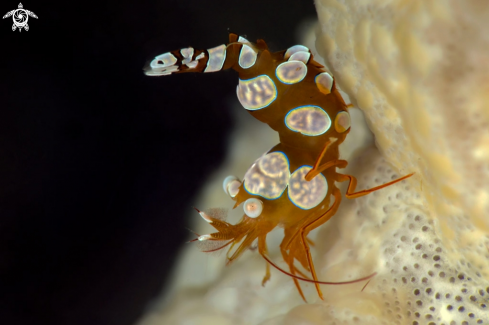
x: 419, y: 70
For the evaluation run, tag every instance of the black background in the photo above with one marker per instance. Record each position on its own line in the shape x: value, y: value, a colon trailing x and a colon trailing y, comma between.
x: 99, y: 164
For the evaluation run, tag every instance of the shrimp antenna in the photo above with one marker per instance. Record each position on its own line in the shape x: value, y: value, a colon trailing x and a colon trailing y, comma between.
x: 366, y: 284
x: 193, y: 232
x: 314, y: 281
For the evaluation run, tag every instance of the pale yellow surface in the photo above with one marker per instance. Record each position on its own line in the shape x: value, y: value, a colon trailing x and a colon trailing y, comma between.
x: 419, y: 70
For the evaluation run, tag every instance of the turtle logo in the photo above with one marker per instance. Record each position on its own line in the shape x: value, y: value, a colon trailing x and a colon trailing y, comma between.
x: 20, y: 17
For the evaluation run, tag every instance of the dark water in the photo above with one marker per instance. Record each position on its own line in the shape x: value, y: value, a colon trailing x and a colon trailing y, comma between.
x: 99, y: 164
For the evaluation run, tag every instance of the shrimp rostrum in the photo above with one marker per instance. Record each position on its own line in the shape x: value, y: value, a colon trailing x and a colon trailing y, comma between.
x: 293, y: 185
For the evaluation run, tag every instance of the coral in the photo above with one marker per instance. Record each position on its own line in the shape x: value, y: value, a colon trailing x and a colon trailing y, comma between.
x: 419, y: 70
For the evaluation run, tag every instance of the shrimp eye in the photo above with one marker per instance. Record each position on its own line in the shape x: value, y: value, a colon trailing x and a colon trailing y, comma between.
x: 231, y: 185
x: 253, y: 207
x: 342, y: 122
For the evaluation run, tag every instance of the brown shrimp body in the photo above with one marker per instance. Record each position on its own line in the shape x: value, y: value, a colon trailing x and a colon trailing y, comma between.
x: 289, y: 210
x: 292, y: 95
x: 293, y: 185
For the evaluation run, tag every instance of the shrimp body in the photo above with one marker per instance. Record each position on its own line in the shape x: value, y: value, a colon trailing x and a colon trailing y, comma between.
x: 293, y: 185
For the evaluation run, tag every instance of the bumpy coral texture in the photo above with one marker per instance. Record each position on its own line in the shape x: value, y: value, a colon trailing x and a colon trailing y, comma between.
x: 419, y: 71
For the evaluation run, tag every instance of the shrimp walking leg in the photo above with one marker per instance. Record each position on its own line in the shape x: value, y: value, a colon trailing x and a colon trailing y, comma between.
x: 290, y: 262
x: 333, y: 163
x: 314, y: 224
x: 262, y: 244
x: 350, y: 192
